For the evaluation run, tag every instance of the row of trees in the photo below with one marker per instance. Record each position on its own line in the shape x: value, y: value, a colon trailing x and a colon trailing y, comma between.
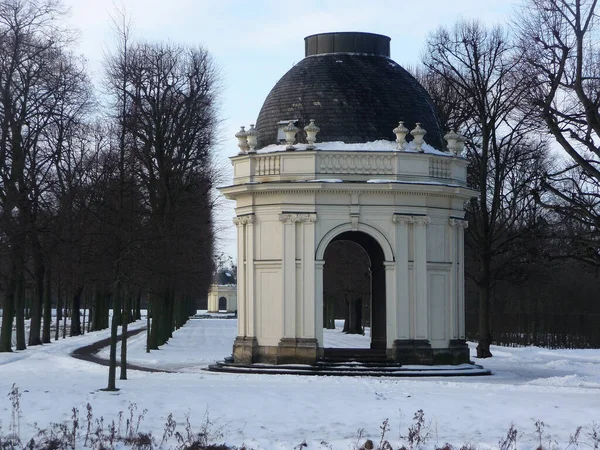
x: 104, y: 194
x: 519, y: 94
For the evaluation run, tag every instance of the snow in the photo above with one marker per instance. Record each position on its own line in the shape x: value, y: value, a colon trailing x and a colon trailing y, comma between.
x: 337, y: 339
x: 374, y: 146
x: 559, y: 387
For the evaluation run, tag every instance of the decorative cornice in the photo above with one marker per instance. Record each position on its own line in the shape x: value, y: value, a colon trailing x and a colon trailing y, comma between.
x: 458, y: 223
x: 243, y: 220
x: 294, y: 218
x: 342, y: 188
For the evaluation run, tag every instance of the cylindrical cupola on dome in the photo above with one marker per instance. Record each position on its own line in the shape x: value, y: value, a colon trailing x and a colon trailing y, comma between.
x: 352, y: 89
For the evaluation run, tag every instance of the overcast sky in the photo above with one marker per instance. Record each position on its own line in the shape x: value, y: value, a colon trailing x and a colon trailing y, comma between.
x: 255, y: 43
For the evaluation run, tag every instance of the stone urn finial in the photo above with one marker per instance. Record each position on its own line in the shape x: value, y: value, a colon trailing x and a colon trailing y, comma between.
x: 252, y: 136
x: 400, y: 131
x: 418, y: 133
x: 290, y: 135
x: 452, y: 139
x: 242, y: 137
x: 460, y: 144
x: 311, y: 134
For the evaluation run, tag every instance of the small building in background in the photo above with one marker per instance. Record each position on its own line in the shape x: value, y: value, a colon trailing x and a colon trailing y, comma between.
x: 222, y: 297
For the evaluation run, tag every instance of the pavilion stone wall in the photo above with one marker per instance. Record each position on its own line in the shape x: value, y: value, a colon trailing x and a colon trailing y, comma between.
x: 283, y: 233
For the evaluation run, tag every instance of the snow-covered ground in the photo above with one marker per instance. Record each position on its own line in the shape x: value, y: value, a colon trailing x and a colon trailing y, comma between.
x: 559, y: 387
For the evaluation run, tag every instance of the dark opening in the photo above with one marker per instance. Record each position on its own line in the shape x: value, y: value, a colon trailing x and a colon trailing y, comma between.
x: 222, y: 303
x: 354, y: 286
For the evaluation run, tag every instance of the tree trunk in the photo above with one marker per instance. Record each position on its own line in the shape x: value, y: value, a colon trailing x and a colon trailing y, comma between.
x: 20, y: 308
x: 138, y: 306
x: 47, y: 305
x: 37, y: 302
x: 58, y: 311
x: 353, y: 323
x: 485, y: 337
x: 154, y: 331
x: 112, y: 367
x: 75, y: 311
x: 125, y: 321
x: 8, y: 315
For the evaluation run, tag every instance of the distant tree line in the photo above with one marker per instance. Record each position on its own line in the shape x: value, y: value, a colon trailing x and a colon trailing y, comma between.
x: 105, y: 196
x: 527, y: 98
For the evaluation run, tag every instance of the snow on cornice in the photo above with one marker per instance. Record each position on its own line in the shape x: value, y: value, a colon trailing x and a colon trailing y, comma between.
x: 375, y: 146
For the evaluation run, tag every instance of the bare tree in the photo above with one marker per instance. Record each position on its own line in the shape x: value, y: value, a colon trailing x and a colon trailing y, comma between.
x: 32, y: 52
x: 173, y: 92
x: 478, y: 90
x: 560, y: 41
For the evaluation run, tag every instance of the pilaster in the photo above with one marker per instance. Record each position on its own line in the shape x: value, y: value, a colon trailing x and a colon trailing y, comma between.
x: 420, y: 269
x: 288, y: 259
x: 391, y: 304
x: 403, y: 310
x: 463, y: 225
x: 308, y: 275
x: 319, y: 265
x: 250, y: 300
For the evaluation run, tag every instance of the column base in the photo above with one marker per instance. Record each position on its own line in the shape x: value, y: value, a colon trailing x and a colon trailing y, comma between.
x: 297, y: 351
x: 411, y: 351
x: 245, y: 350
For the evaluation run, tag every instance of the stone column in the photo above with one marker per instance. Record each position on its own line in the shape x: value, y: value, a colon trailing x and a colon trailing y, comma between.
x: 412, y: 344
x: 249, y: 264
x: 298, y: 313
x: 461, y: 278
x: 453, y: 297
x: 458, y: 346
x: 319, y: 265
x: 308, y: 276
x: 308, y: 348
x: 404, y: 320
x: 420, y: 270
x: 391, y: 305
x: 245, y: 347
x: 241, y: 276
x: 288, y: 260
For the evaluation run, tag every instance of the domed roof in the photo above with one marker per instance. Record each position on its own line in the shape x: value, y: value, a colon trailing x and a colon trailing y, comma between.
x: 352, y: 89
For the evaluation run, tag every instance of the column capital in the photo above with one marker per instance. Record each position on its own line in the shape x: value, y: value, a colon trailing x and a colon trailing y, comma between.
x: 403, y: 219
x: 422, y: 220
x: 462, y: 223
x: 243, y: 220
x: 295, y: 217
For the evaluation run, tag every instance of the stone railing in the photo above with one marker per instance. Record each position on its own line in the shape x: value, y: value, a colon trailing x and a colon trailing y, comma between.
x: 356, y: 166
x: 356, y: 163
x: 439, y: 168
x: 268, y: 165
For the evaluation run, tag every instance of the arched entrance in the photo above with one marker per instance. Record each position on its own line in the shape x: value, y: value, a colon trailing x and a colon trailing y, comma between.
x: 354, y: 286
x: 222, y: 303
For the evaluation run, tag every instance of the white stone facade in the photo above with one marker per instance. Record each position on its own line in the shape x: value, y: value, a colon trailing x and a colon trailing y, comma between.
x: 291, y: 204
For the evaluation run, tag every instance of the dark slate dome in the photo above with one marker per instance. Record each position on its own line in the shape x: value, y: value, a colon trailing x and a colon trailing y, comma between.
x: 352, y: 89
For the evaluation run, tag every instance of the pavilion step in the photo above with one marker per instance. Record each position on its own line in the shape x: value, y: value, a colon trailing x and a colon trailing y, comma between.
x: 336, y: 355
x: 348, y: 369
